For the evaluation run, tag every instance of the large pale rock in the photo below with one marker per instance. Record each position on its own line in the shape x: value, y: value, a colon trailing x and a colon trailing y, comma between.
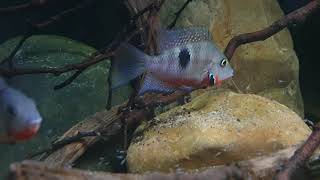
x: 216, y: 127
x: 259, y: 66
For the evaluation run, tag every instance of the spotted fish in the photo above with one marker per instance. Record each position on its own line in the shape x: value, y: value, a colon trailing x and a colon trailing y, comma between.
x: 188, y: 59
x: 19, y: 116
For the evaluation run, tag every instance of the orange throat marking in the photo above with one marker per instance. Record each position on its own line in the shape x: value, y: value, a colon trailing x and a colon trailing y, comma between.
x: 181, y: 82
x: 25, y: 134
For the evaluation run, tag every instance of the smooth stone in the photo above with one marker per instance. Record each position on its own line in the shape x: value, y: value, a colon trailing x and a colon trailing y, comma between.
x: 215, y: 128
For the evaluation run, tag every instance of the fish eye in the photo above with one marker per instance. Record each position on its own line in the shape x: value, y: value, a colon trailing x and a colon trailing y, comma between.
x: 11, y: 110
x: 212, y: 80
x: 223, y: 62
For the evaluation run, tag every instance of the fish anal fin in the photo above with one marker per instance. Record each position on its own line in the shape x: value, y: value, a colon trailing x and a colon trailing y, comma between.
x: 153, y: 84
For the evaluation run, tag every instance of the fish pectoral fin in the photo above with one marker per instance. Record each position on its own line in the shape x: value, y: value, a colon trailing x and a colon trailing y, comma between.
x: 186, y: 88
x: 153, y: 84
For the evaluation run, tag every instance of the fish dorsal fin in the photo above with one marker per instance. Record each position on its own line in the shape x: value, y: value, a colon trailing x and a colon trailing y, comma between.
x: 152, y: 84
x: 171, y: 38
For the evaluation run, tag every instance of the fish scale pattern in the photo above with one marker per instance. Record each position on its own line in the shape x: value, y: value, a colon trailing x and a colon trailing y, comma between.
x: 178, y: 37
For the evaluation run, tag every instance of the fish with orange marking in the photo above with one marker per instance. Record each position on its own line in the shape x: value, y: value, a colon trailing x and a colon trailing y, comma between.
x: 188, y: 59
x: 19, y: 117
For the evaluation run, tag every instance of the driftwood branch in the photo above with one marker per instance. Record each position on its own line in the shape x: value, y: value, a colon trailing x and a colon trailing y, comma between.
x: 68, y: 81
x: 177, y: 14
x: 9, y: 59
x: 37, y: 170
x: 32, y: 4
x: 301, y: 156
x: 264, y: 167
x: 62, y: 14
x: 105, y: 124
x: 22, y: 7
x: 66, y: 155
x: 56, y: 71
x: 294, y: 18
x: 16, y: 8
x: 68, y: 140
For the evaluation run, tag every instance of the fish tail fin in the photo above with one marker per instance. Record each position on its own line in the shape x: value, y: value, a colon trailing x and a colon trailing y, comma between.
x: 128, y: 63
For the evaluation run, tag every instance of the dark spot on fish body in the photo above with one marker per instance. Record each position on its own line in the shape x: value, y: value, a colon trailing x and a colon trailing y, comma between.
x: 184, y: 58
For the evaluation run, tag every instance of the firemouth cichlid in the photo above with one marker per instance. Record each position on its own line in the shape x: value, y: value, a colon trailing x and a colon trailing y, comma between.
x: 188, y: 59
x: 19, y: 116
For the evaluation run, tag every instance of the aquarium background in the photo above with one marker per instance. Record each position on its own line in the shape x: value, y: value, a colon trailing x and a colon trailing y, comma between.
x: 81, y: 33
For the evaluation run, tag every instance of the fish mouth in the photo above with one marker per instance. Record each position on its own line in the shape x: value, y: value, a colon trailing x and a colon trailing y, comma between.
x: 26, y: 133
x: 218, y: 81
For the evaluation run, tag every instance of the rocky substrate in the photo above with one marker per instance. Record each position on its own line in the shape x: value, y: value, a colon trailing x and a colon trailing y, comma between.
x: 215, y: 128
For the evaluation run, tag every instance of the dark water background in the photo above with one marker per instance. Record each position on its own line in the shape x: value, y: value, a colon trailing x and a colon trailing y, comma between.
x: 307, y: 46
x: 96, y: 25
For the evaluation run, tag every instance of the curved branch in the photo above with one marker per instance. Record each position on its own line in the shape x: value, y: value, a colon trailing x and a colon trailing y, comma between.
x: 15, y: 8
x: 25, y: 6
x: 58, y: 70
x: 68, y: 81
x: 301, y: 155
x: 177, y: 14
x: 59, y: 16
x: 296, y: 17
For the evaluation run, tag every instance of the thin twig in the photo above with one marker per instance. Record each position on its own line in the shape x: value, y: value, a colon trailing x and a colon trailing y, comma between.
x: 177, y: 14
x: 143, y: 109
x: 16, y: 8
x: 9, y: 59
x: 59, y: 16
x: 26, y: 6
x: 69, y: 80
x: 151, y: 23
x: 296, y: 17
x: 109, y: 88
x: 142, y: 12
x: 57, y: 70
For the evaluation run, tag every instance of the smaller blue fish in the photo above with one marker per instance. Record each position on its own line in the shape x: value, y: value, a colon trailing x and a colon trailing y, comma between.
x: 19, y: 117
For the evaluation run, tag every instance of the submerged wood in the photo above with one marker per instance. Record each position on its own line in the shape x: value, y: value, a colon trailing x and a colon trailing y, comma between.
x: 296, y: 17
x: 69, y: 153
x: 301, y: 156
x: 264, y: 167
x: 108, y: 123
